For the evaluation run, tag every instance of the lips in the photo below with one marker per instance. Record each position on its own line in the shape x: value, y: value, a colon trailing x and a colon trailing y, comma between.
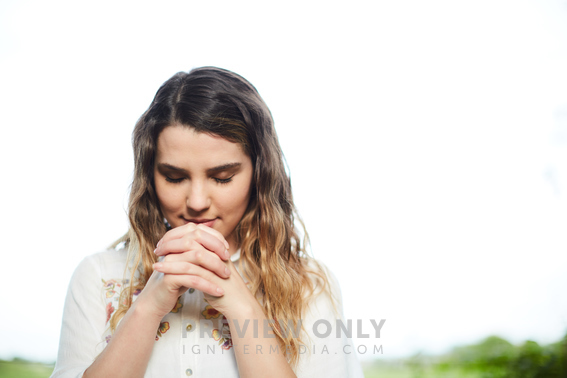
x: 206, y: 222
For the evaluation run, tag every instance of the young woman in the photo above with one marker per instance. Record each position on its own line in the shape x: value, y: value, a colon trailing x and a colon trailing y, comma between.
x: 213, y: 279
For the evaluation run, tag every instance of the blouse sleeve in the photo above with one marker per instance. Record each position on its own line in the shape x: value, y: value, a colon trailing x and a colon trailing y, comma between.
x: 328, y: 353
x: 83, y: 321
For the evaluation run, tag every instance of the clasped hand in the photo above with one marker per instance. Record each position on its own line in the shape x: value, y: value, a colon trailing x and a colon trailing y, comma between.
x: 196, y: 256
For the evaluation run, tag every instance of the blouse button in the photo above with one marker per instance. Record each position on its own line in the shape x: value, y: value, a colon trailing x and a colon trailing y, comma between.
x: 189, y: 372
x: 189, y: 327
x: 191, y: 291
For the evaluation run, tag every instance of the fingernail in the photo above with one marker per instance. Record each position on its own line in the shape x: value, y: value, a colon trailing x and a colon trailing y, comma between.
x: 155, y: 250
x: 226, y: 243
x: 220, y: 291
x: 158, y: 266
x: 226, y: 271
x: 226, y: 254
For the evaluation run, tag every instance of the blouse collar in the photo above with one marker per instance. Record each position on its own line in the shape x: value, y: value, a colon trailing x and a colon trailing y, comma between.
x: 236, y: 256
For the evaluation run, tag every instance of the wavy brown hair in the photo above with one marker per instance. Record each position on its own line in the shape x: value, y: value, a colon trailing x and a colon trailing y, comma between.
x: 273, y: 255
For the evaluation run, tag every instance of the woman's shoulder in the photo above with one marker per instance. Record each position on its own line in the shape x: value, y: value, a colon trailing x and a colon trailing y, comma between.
x: 99, y: 277
x: 326, y: 291
x: 320, y: 273
x: 107, y: 263
x: 324, y: 311
x: 109, y: 256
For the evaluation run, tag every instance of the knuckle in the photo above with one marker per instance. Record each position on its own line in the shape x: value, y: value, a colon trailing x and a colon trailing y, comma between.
x: 198, y: 256
x: 187, y: 244
x: 198, y: 233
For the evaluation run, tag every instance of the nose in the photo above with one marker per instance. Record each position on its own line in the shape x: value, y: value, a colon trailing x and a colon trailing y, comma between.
x: 198, y: 199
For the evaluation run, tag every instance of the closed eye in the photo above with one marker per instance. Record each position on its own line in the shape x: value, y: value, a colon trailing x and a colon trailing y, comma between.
x: 172, y: 180
x: 223, y: 181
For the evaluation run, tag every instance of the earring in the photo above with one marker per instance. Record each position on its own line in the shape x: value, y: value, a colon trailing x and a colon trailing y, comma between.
x: 167, y: 225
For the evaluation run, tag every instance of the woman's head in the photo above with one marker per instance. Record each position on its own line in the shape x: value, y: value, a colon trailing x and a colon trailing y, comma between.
x: 212, y: 125
x: 215, y: 103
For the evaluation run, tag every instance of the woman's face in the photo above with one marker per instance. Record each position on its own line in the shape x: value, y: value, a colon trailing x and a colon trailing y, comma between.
x: 202, y: 178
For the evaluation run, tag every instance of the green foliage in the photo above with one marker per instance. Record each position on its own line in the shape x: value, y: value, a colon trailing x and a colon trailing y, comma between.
x: 495, y: 357
x: 417, y: 366
x: 18, y: 368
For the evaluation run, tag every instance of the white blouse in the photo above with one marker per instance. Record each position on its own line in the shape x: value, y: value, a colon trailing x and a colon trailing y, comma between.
x: 193, y: 339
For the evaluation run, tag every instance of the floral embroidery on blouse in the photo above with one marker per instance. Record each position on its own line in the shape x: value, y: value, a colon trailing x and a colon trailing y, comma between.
x: 177, y: 306
x: 109, y: 286
x: 163, y: 327
x: 109, y: 310
x: 112, y: 288
x: 223, y: 336
x: 210, y: 313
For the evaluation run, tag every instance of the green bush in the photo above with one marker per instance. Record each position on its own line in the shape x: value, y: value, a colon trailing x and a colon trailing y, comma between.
x: 495, y: 357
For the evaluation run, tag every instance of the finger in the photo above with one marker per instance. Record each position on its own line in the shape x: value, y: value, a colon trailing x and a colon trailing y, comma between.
x: 202, y: 258
x: 215, y: 233
x: 195, y: 281
x: 176, y: 233
x: 189, y: 227
x: 193, y: 240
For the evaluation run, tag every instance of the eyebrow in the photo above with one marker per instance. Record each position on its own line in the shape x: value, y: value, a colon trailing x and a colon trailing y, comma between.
x: 217, y: 169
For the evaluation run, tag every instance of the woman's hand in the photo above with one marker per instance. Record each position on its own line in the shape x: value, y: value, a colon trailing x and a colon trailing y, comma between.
x: 194, y: 256
x: 190, y: 256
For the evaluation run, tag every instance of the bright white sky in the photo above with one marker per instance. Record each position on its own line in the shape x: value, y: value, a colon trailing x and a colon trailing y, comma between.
x: 427, y: 143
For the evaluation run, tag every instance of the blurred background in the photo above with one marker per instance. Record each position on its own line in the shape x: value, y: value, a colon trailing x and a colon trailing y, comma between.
x: 426, y: 141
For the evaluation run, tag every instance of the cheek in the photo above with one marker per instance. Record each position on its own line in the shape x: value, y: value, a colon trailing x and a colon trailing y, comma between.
x: 240, y: 202
x: 168, y: 199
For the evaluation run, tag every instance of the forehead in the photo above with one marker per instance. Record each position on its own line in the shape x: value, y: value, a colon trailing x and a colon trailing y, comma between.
x: 182, y: 145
